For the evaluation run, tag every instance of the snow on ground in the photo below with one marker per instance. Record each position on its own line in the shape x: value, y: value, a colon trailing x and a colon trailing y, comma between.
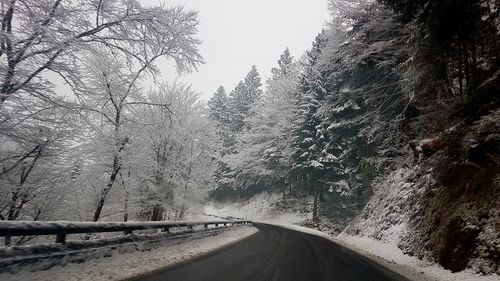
x: 392, y: 253
x: 297, y: 228
x: 125, y: 264
x: 260, y: 207
x: 392, y: 257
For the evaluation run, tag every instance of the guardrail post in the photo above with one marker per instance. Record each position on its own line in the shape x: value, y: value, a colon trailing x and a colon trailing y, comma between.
x: 190, y: 227
x: 205, y: 226
x: 166, y: 229
x: 61, y: 238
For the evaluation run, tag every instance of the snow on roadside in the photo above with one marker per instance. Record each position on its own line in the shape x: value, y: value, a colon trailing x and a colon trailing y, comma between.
x: 259, y: 207
x: 392, y: 253
x: 126, y: 265
x: 297, y: 228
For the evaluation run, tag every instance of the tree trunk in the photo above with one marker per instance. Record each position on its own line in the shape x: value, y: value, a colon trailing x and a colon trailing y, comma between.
x: 125, y: 203
x: 15, y: 207
x: 157, y: 213
x: 112, y: 178
x: 460, y: 74
x: 284, y: 195
x: 315, y: 205
x: 105, y: 192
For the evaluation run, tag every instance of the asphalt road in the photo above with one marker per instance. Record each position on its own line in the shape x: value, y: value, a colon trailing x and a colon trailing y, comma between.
x: 278, y: 254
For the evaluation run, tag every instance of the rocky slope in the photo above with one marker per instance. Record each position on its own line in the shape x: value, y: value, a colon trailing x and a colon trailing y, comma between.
x: 446, y: 208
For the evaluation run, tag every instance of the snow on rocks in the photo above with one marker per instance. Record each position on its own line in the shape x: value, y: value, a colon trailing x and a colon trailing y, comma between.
x: 123, y: 263
x: 387, y: 214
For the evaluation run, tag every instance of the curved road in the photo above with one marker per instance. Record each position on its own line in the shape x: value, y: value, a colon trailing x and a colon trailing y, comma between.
x: 278, y: 254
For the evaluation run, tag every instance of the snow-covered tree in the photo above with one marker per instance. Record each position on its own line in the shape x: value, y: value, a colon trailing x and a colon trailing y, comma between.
x: 43, y: 41
x: 114, y: 88
x: 218, y: 106
x: 240, y: 106
x: 352, y: 130
x: 261, y: 160
x: 49, y: 36
x: 243, y: 97
x: 284, y: 65
x: 35, y: 163
x: 308, y: 133
x: 181, y: 146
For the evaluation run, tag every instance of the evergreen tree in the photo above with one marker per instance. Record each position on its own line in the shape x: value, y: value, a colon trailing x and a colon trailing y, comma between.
x: 284, y: 65
x: 243, y: 98
x: 309, y: 133
x: 362, y: 114
x: 261, y: 161
x: 219, y: 112
x: 233, y: 113
x: 218, y: 106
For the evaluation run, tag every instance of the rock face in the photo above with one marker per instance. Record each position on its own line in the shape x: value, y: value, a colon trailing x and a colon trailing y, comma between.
x: 457, y: 219
x: 447, y: 207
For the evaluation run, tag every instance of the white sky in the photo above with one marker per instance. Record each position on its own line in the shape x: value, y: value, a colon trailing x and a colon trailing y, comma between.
x: 239, y: 33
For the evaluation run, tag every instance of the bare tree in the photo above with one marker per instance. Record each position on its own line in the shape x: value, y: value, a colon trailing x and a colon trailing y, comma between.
x: 114, y: 92
x: 43, y: 40
x: 180, y: 144
x: 39, y: 37
x: 33, y: 165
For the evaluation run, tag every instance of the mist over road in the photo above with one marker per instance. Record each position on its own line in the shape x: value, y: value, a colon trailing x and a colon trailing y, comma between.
x: 279, y: 254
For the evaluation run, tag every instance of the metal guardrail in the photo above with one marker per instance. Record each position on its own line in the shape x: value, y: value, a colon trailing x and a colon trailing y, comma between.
x: 224, y: 218
x: 63, y: 228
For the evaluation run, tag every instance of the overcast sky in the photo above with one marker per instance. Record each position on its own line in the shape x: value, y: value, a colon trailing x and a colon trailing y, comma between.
x: 239, y: 33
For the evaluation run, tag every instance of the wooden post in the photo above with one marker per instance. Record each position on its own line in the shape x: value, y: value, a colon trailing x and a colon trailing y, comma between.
x: 8, y: 240
x: 61, y: 238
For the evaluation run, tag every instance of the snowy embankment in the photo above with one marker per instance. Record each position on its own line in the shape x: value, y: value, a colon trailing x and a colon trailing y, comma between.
x: 384, y: 227
x: 396, y: 259
x: 126, y: 262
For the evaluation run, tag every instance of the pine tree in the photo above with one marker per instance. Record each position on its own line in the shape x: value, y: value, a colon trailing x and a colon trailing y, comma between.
x: 284, y: 65
x: 219, y: 112
x: 243, y: 98
x: 309, y: 133
x: 261, y: 161
x: 233, y: 120
x: 218, y: 105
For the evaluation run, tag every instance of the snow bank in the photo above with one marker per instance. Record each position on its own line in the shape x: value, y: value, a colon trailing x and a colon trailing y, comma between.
x: 124, y: 263
x: 386, y: 215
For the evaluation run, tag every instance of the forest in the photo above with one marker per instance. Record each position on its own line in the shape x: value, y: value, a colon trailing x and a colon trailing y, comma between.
x: 391, y: 118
